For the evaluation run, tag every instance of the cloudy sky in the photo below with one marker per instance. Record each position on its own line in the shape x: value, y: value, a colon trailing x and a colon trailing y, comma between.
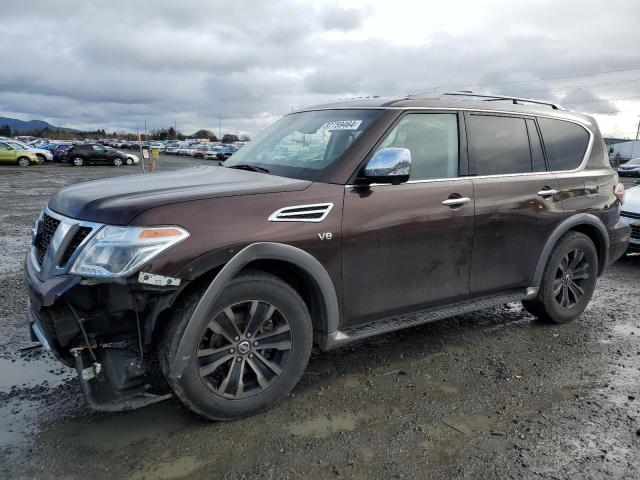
x: 114, y: 64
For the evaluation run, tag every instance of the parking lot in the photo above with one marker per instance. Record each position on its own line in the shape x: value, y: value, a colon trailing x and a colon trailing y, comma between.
x: 494, y: 394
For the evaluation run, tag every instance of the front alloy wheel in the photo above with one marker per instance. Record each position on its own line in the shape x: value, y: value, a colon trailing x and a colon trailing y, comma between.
x: 78, y: 161
x: 247, y: 353
x: 244, y: 349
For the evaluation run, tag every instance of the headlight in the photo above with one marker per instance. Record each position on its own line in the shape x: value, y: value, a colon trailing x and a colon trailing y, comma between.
x: 120, y: 251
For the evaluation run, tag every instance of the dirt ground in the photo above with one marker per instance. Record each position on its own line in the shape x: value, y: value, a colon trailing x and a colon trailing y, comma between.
x: 489, y: 395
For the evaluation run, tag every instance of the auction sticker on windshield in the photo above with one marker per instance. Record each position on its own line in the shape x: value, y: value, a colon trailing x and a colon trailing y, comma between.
x: 341, y: 125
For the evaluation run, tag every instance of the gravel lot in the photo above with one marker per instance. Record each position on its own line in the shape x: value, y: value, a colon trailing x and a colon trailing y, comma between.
x: 489, y: 395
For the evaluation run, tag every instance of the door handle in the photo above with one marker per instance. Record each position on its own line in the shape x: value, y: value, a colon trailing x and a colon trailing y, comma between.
x: 456, y: 202
x: 547, y: 192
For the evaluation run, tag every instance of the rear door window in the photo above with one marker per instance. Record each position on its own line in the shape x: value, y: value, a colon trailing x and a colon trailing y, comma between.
x: 565, y: 143
x: 498, y: 145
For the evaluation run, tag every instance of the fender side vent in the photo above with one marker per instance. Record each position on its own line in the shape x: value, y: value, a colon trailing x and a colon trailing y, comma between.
x: 316, y: 212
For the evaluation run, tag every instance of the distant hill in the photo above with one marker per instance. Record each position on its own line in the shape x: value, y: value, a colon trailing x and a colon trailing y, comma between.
x: 22, y: 126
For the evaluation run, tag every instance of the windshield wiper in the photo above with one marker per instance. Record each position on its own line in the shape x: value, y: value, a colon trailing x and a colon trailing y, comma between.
x: 251, y: 168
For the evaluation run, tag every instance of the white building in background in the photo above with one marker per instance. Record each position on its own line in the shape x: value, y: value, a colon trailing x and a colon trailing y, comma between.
x: 624, y: 151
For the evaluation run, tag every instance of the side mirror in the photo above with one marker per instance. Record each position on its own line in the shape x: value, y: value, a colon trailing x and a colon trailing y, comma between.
x: 389, y: 165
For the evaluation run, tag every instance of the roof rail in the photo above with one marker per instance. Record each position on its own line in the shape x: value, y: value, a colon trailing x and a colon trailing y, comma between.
x: 497, y: 98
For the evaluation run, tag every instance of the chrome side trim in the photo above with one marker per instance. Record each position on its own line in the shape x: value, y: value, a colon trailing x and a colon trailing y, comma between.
x: 581, y: 167
x: 289, y: 214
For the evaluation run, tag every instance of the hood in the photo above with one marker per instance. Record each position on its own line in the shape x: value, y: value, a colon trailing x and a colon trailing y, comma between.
x: 117, y: 201
x: 632, y: 200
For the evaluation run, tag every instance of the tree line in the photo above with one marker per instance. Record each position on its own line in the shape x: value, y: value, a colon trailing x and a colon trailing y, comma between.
x: 156, y: 134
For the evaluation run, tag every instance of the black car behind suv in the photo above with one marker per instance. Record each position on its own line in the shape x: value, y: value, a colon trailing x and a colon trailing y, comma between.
x: 90, y: 153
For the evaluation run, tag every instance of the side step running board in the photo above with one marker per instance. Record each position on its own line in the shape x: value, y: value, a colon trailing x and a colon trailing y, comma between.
x: 343, y: 337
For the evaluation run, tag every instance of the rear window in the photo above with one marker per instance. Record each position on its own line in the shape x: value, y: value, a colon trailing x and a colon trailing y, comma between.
x: 498, y: 145
x: 565, y: 142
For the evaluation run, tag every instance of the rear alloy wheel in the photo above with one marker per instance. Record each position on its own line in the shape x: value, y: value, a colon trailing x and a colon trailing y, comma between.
x: 24, y: 162
x: 77, y: 161
x: 251, y: 349
x: 568, y: 281
x: 117, y: 162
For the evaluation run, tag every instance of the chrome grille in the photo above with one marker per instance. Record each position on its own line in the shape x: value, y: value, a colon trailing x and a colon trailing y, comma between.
x: 77, y: 239
x: 46, y: 230
x: 635, y: 232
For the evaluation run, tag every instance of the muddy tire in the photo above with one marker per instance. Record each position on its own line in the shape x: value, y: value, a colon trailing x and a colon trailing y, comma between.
x: 23, y: 162
x: 568, y: 281
x: 252, y: 348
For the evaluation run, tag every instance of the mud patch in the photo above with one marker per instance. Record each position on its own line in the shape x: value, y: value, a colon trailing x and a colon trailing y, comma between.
x: 325, y: 425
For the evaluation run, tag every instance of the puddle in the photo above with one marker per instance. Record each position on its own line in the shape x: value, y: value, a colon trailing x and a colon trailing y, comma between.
x: 325, y: 425
x: 469, y: 424
x: 16, y: 421
x: 350, y: 380
x: 180, y: 468
x: 33, y: 371
x: 118, y: 430
x: 626, y: 329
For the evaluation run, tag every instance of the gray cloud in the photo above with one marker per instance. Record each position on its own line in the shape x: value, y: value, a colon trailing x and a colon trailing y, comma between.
x: 114, y: 65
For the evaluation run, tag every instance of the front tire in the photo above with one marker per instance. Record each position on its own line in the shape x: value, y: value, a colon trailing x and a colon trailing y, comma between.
x: 129, y: 161
x: 252, y: 350
x: 77, y: 161
x: 568, y: 281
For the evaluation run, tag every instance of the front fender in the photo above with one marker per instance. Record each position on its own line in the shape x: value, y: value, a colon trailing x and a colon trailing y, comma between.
x: 257, y: 251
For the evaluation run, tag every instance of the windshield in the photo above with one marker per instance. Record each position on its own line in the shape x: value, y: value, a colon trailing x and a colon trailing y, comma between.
x: 633, y: 161
x: 304, y: 145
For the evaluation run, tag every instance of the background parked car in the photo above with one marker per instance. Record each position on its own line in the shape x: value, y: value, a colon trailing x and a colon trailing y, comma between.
x: 60, y: 153
x: 630, y: 213
x: 42, y: 154
x: 226, y: 151
x: 631, y: 168
x: 88, y: 153
x: 131, y: 159
x: 10, y: 154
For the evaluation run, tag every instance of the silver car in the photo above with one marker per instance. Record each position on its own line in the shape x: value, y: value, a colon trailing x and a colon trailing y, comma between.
x: 630, y: 213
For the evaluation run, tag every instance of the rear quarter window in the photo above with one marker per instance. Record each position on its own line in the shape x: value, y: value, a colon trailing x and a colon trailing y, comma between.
x: 565, y: 143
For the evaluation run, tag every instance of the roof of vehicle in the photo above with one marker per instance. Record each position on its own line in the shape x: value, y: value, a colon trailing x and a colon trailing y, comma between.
x: 496, y: 104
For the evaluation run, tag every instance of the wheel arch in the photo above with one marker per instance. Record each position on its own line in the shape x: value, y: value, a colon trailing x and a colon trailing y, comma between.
x: 584, y: 223
x: 295, y: 266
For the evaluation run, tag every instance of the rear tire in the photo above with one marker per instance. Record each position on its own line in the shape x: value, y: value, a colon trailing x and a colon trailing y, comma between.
x: 23, y: 162
x: 568, y: 281
x: 230, y: 373
x: 118, y: 162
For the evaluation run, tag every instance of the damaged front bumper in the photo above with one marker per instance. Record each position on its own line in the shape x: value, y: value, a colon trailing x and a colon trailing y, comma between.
x: 113, y: 375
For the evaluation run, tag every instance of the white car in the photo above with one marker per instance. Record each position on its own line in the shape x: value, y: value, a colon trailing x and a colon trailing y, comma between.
x: 42, y: 154
x: 131, y: 158
x: 630, y: 213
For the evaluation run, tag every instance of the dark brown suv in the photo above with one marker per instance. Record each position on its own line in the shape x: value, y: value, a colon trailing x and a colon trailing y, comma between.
x: 337, y: 223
